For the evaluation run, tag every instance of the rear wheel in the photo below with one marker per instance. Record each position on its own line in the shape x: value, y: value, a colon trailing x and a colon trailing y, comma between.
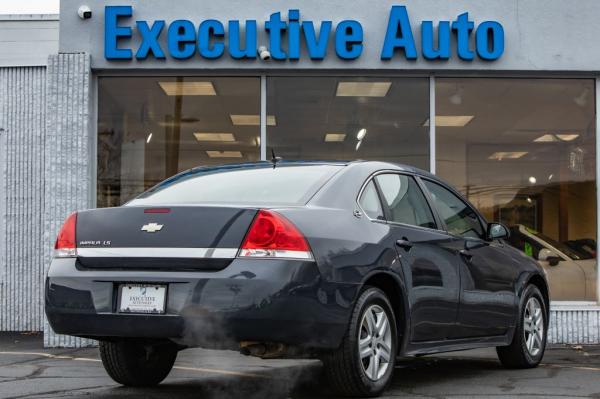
x: 529, y: 342
x: 364, y: 363
x: 137, y: 364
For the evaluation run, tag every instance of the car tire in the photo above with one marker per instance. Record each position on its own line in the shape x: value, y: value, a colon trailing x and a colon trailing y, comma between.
x: 529, y: 342
x: 347, y: 371
x: 137, y: 364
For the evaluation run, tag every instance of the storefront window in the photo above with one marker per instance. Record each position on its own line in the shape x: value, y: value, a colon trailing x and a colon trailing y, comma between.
x: 347, y: 118
x: 523, y: 152
x: 150, y: 128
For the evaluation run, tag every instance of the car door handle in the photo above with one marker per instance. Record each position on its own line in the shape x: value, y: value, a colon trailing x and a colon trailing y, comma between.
x: 466, y: 254
x: 405, y: 244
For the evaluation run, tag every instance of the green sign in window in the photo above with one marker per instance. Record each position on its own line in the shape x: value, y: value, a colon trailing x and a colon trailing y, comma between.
x: 528, y: 249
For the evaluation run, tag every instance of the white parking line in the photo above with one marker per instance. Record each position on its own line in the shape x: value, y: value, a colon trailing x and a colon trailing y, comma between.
x: 86, y: 359
x: 548, y: 365
x: 225, y: 372
x: 48, y: 355
x: 566, y: 366
x: 243, y: 374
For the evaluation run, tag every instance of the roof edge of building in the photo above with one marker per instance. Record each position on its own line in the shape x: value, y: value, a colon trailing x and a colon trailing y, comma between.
x: 29, y: 17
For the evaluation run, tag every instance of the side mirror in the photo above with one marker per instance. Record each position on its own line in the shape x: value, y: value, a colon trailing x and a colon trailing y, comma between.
x: 553, y: 261
x: 547, y: 255
x: 496, y: 231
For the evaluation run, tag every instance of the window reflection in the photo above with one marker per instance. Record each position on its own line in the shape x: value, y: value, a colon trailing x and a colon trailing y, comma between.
x: 523, y: 151
x: 349, y: 118
x: 150, y: 128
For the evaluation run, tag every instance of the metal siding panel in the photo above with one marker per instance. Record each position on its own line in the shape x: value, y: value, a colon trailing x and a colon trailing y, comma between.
x: 3, y: 181
x: 67, y: 156
x: 22, y: 116
x: 574, y: 325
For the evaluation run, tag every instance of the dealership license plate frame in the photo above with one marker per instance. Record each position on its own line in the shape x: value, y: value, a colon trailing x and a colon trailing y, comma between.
x: 162, y: 288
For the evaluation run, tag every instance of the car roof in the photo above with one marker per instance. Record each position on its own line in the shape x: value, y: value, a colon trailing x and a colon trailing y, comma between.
x: 376, y: 165
x: 371, y: 166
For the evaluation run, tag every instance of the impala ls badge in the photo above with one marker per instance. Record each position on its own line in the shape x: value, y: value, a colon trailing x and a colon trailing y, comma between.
x: 152, y: 227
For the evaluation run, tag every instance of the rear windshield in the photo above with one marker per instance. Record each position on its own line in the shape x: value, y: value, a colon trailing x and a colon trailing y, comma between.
x: 285, y: 185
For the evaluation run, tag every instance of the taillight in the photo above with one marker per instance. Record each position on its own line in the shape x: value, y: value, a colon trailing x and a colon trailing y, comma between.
x: 66, y: 246
x: 273, y: 236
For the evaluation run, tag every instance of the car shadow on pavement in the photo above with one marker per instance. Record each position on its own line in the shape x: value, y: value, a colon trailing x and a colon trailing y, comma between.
x: 305, y: 382
x: 420, y: 372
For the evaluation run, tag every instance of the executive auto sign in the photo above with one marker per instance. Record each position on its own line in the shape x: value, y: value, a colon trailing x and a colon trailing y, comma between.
x: 212, y: 39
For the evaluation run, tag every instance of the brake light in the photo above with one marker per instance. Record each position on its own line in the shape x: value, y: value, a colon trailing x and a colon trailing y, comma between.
x: 65, y: 246
x: 157, y: 210
x: 273, y: 236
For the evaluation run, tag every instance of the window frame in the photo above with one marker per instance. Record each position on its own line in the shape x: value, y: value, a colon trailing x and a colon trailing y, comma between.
x: 378, y: 194
x: 385, y: 207
x: 265, y: 74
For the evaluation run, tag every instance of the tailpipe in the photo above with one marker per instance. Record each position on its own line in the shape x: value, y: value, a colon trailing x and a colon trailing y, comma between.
x: 264, y: 350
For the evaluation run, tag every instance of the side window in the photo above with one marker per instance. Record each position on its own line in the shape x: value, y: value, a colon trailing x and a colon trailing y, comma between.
x: 460, y: 218
x: 406, y: 202
x: 369, y: 202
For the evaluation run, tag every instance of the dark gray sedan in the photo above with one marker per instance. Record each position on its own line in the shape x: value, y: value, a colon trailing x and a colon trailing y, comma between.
x: 353, y: 263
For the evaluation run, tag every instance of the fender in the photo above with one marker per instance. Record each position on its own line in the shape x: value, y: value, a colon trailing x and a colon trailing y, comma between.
x: 402, y: 305
x: 522, y: 282
x: 525, y: 278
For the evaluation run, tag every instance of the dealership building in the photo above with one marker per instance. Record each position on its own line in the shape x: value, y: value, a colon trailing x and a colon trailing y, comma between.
x: 497, y: 97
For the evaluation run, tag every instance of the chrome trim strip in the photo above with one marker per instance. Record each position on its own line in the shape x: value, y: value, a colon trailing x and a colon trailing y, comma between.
x: 137, y: 252
x: 275, y: 254
x: 389, y: 222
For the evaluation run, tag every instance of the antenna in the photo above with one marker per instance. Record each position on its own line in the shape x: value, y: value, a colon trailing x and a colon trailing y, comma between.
x: 274, y: 159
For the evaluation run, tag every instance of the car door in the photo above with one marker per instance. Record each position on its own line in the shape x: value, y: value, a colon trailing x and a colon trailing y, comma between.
x: 487, y: 295
x: 430, y: 270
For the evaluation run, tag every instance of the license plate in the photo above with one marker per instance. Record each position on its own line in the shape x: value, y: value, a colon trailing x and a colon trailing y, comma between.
x: 142, y: 298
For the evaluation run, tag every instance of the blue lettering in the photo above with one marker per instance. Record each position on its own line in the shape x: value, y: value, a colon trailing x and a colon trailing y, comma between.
x: 149, y: 40
x: 235, y: 45
x: 286, y: 37
x: 209, y: 49
x: 485, y: 31
x: 399, y: 35
x: 182, y: 39
x: 348, y: 40
x: 463, y: 28
x: 317, y: 48
x: 294, y: 34
x: 276, y: 27
x: 112, y: 32
x: 443, y: 42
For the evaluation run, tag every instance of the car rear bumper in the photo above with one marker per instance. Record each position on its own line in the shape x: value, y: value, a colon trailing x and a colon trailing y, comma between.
x: 272, y: 301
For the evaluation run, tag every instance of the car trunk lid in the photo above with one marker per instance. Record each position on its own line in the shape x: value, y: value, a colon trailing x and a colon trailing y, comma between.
x: 181, y: 237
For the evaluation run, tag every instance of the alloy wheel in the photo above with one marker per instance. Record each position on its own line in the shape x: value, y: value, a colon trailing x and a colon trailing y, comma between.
x: 375, y: 342
x: 533, y: 326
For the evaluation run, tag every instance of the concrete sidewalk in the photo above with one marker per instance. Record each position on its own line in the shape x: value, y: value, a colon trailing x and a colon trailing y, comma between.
x: 28, y: 370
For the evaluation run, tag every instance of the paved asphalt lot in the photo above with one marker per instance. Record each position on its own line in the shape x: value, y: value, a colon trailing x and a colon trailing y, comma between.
x: 28, y: 371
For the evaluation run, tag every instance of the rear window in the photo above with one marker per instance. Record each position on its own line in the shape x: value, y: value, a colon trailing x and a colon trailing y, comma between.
x: 285, y: 185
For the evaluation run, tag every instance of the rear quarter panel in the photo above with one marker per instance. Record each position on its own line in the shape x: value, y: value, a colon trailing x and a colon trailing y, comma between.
x: 347, y: 248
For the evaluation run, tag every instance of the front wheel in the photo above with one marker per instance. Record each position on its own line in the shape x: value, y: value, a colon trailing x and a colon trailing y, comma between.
x: 364, y: 363
x: 137, y: 364
x: 529, y: 342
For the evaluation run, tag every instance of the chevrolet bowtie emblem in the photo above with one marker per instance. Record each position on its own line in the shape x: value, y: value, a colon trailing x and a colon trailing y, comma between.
x: 152, y: 227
